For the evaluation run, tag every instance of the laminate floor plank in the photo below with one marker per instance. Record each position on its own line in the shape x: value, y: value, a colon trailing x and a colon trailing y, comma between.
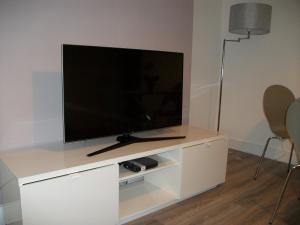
x: 240, y: 200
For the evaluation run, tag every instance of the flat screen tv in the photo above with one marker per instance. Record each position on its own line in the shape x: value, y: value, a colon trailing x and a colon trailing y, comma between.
x: 110, y: 91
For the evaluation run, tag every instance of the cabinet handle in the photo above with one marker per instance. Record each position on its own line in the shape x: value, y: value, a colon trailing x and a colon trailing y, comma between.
x: 75, y: 175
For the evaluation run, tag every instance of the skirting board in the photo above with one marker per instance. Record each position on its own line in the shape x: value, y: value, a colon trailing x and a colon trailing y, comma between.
x: 281, y: 151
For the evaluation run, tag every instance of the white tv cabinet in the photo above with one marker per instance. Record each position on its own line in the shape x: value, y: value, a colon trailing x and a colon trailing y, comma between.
x: 58, y: 184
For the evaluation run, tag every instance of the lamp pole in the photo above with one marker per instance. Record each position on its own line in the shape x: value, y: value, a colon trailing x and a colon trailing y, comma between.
x: 222, y: 73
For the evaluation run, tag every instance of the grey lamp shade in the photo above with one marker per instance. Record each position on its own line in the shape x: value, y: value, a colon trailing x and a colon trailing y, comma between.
x: 250, y: 17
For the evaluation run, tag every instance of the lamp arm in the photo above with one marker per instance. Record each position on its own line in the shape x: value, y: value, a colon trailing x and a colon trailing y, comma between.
x: 222, y: 73
x: 238, y: 40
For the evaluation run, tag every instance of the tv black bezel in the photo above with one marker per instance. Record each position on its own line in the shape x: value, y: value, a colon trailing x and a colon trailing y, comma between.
x: 116, y: 134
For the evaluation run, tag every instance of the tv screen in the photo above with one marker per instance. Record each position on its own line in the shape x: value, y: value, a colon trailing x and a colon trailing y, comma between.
x: 109, y: 91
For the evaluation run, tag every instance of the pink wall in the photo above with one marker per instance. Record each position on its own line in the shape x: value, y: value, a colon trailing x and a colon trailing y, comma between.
x: 32, y: 32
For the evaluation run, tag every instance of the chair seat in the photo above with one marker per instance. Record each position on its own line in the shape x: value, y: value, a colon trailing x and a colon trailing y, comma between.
x: 276, y: 101
x: 280, y: 132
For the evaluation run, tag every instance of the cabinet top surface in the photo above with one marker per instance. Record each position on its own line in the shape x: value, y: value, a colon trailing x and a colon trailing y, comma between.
x: 33, y: 164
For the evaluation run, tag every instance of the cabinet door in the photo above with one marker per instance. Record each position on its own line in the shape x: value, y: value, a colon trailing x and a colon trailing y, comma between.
x: 203, y: 167
x: 90, y: 198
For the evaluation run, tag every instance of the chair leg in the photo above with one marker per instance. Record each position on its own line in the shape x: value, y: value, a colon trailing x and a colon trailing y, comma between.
x: 291, y: 155
x: 262, y: 157
x: 282, y: 193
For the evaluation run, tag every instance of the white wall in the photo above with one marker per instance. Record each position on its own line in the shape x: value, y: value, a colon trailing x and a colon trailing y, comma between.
x: 250, y: 67
x: 205, y: 62
x: 1, y: 216
x: 32, y: 32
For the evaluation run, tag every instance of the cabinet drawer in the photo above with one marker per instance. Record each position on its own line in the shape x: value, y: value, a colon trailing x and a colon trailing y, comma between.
x: 90, y: 197
x: 203, y: 167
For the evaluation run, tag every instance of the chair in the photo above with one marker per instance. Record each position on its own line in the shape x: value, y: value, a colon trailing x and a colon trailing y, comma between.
x: 293, y: 127
x: 276, y: 101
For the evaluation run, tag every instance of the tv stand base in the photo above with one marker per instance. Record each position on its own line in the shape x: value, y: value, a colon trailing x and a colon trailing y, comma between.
x: 127, y: 139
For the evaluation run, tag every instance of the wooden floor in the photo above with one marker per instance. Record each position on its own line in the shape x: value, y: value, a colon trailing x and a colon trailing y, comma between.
x: 240, y: 201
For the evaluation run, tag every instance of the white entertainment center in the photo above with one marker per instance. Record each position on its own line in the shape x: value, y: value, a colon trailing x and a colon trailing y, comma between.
x: 59, y: 185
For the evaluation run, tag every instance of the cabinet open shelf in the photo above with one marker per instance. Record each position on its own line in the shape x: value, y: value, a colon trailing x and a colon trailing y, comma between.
x: 140, y: 197
x: 163, y: 163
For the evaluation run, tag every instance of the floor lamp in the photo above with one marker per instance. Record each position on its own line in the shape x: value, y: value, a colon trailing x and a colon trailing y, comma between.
x: 245, y: 19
